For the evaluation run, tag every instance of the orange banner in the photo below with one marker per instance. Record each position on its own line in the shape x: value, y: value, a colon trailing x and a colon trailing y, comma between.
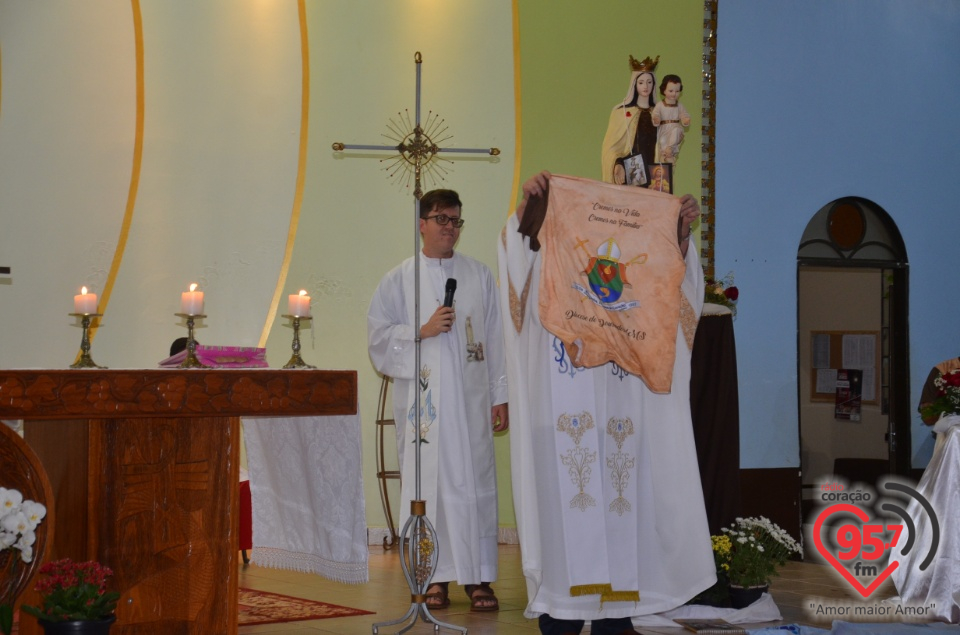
x: 611, y: 276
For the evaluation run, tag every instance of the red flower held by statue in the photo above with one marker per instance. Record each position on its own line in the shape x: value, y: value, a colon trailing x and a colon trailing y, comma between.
x: 722, y: 292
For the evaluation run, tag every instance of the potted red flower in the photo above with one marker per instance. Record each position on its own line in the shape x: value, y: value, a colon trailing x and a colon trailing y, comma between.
x: 74, y: 598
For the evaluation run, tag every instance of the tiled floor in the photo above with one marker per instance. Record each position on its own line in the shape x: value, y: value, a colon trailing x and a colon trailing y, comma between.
x: 799, y: 586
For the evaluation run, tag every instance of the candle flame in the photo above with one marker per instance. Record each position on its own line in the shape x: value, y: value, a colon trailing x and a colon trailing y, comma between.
x: 303, y: 292
x: 83, y: 291
x: 193, y: 286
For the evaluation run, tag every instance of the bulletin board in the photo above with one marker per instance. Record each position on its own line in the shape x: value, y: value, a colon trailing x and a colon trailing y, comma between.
x: 833, y: 350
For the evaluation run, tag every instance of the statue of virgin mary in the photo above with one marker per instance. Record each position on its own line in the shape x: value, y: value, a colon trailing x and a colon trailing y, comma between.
x: 630, y: 130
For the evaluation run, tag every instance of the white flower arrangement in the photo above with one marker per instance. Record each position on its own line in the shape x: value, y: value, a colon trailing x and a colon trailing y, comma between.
x: 749, y: 552
x: 19, y: 519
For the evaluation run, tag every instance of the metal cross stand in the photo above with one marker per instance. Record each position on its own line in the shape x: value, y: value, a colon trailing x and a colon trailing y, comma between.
x: 417, y: 151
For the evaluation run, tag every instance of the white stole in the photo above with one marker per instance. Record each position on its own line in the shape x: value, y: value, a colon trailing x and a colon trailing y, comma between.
x: 590, y: 445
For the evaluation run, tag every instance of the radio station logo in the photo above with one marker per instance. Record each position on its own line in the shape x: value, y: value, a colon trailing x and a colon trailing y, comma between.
x: 866, y: 545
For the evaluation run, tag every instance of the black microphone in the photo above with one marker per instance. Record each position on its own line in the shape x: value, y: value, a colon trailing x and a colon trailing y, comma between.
x: 451, y: 289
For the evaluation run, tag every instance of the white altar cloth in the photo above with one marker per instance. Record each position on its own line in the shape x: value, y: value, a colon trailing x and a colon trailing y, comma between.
x: 307, y: 493
x: 938, y: 586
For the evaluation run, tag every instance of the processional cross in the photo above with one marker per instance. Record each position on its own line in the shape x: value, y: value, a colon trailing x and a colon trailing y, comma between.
x: 417, y: 151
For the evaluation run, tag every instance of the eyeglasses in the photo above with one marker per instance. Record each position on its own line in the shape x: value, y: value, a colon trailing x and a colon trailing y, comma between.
x: 443, y: 219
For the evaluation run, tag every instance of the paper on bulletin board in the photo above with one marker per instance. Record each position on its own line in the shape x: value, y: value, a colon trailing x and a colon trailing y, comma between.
x: 827, y: 380
x: 821, y: 351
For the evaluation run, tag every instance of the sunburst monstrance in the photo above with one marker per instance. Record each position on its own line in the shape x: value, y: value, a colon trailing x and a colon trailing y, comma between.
x: 417, y: 146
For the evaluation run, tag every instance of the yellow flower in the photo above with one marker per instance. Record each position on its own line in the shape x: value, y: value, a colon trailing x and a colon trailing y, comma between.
x: 721, y: 545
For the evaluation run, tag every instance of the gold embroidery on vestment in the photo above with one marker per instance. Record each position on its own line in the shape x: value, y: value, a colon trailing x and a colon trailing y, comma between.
x: 620, y: 463
x: 518, y: 305
x: 590, y: 589
x: 605, y: 591
x: 578, y: 460
x: 575, y: 425
x: 619, y: 429
x: 620, y: 596
x: 688, y: 321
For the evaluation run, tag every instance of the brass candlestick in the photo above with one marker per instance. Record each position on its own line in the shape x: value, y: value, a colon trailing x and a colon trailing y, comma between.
x: 191, y: 361
x: 85, y: 361
x: 296, y: 361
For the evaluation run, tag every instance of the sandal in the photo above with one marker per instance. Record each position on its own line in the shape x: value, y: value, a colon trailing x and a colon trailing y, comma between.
x: 438, y: 596
x: 482, y: 597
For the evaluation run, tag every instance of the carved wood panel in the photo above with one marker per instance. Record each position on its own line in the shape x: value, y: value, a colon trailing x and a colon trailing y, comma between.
x: 66, y: 394
x: 146, y: 466
x: 166, y: 521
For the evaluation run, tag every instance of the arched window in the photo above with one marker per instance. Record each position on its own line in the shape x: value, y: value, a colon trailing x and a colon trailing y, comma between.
x: 852, y: 229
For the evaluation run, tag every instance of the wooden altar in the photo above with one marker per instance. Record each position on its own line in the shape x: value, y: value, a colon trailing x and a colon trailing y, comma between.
x: 144, y: 466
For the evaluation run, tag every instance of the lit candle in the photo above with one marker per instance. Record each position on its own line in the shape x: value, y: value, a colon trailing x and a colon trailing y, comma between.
x: 299, y: 305
x: 85, y: 303
x: 191, y: 302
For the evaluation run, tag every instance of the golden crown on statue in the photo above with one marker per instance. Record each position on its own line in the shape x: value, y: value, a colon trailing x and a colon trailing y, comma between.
x: 646, y: 66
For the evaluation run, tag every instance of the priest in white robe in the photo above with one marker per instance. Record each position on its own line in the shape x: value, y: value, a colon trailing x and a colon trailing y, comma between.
x: 463, y: 396
x: 606, y: 485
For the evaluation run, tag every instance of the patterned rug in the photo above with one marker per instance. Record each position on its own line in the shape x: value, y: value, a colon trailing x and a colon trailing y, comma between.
x: 261, y: 607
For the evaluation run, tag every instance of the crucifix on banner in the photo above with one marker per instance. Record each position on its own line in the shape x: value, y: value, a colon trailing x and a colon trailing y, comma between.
x: 417, y: 154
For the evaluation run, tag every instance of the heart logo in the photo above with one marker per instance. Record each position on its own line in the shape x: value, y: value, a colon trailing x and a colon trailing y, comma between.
x: 818, y: 542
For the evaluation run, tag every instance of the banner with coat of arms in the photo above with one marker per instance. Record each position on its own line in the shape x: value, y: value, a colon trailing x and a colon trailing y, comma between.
x: 611, y: 275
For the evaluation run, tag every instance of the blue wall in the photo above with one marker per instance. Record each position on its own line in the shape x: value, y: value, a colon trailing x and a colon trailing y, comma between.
x: 817, y: 100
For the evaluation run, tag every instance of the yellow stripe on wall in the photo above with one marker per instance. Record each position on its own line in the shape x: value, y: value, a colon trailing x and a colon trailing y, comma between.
x: 518, y: 145
x: 134, y: 171
x: 301, y: 173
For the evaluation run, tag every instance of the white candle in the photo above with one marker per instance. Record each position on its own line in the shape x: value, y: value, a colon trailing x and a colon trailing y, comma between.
x: 299, y: 305
x: 191, y: 302
x: 85, y: 303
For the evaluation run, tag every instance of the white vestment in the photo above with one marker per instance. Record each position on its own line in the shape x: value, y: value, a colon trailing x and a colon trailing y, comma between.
x: 642, y: 543
x: 462, y: 376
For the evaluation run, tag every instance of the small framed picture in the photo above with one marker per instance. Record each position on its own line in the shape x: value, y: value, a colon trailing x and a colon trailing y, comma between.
x: 661, y: 177
x: 635, y: 172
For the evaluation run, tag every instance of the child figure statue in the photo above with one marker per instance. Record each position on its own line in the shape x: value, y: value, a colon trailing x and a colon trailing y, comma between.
x: 671, y: 118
